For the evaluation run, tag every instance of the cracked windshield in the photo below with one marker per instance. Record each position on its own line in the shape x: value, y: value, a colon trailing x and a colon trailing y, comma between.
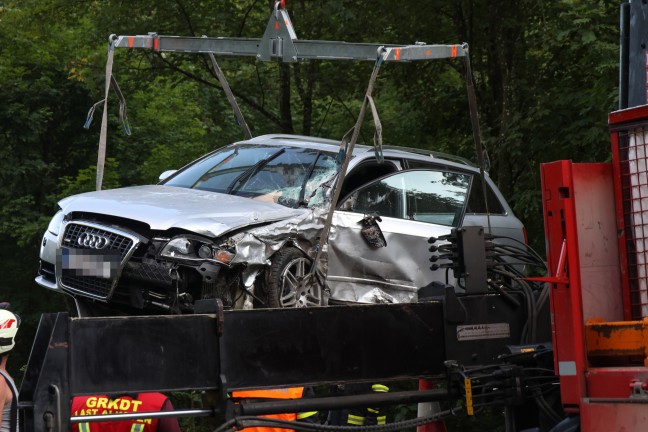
x: 288, y: 176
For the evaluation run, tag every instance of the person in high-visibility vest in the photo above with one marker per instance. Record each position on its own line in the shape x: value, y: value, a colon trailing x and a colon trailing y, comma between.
x: 358, y: 416
x: 142, y: 402
x: 281, y: 393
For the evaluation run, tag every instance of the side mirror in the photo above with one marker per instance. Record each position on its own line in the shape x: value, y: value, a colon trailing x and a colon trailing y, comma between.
x: 166, y: 174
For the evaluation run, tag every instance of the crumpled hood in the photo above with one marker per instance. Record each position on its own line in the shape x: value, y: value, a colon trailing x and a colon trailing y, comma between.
x: 165, y: 207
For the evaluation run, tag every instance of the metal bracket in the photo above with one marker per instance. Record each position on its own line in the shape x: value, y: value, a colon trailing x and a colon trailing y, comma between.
x: 278, y: 38
x: 561, y: 276
x: 638, y: 389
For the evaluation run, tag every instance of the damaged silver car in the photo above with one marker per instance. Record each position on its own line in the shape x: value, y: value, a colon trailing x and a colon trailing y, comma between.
x: 242, y: 224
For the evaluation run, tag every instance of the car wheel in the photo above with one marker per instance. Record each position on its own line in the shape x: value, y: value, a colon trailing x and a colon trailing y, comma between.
x: 289, y: 283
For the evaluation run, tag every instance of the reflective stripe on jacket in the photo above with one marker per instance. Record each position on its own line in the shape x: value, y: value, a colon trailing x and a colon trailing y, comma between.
x: 102, y: 404
x: 358, y: 416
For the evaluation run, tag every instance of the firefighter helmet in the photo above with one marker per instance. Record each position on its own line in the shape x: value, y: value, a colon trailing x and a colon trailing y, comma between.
x: 8, y: 329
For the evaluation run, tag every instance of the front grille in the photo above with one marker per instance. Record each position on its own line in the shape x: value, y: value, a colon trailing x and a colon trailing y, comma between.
x: 90, y: 285
x: 119, y: 243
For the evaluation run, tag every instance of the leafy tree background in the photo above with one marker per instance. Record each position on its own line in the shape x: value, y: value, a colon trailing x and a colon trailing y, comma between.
x: 545, y: 74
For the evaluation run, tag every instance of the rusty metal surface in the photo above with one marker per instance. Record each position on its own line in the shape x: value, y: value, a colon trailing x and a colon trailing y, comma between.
x: 620, y: 338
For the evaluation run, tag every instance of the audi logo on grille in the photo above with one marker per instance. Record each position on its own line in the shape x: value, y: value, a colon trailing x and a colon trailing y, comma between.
x: 94, y: 241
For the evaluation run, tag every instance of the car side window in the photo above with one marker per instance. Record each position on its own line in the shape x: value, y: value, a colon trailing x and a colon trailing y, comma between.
x: 437, y: 197
x: 476, y: 202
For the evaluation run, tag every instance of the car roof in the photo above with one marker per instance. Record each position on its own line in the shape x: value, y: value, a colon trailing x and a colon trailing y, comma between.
x: 330, y: 145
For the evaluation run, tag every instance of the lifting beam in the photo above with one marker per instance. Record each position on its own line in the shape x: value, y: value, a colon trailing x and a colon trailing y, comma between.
x: 279, y: 42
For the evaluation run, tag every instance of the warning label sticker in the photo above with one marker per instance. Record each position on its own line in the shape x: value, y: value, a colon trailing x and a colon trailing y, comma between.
x: 483, y: 331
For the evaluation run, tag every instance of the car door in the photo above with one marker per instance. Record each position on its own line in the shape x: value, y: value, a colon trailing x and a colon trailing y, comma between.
x: 409, y: 207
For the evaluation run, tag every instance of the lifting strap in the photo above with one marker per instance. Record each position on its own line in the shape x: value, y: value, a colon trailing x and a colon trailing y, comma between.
x: 377, y: 130
x: 101, y: 154
x: 346, y: 149
x: 230, y: 97
x: 474, y: 120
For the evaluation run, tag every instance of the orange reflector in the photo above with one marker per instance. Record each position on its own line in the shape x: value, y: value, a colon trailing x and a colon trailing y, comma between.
x: 277, y: 25
x: 223, y: 256
x: 131, y: 39
x: 156, y: 44
x: 454, y: 51
x: 397, y: 54
x: 427, y: 52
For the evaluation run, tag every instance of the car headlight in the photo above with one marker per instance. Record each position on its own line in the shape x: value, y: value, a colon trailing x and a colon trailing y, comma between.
x: 178, y: 247
x: 189, y: 248
x: 55, y: 224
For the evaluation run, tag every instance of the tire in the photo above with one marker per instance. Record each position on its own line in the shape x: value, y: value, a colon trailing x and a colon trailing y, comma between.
x: 289, y: 267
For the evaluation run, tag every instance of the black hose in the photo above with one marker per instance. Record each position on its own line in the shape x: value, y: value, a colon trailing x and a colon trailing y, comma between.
x: 239, y: 423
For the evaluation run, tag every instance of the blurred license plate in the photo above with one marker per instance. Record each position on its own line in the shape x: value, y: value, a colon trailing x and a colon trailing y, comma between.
x: 89, y: 262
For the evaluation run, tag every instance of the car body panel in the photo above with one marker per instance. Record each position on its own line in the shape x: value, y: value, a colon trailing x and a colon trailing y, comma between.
x: 358, y: 272
x: 165, y: 207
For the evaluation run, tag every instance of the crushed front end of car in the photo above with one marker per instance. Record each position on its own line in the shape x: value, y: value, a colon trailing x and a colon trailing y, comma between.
x: 165, y: 248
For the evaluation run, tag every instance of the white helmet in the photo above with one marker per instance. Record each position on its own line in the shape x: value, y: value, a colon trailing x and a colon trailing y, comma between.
x: 8, y: 329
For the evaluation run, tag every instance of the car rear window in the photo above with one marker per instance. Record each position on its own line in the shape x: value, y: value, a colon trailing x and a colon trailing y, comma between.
x: 476, y: 203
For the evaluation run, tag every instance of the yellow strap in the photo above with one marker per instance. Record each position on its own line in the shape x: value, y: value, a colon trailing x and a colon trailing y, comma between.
x: 381, y: 420
x: 469, y: 400
x: 373, y: 410
x: 304, y: 415
x: 355, y: 420
x: 380, y: 388
x: 84, y: 427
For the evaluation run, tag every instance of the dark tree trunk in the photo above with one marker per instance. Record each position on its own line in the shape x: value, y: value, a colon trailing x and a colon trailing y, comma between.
x: 305, y: 91
x: 285, y: 113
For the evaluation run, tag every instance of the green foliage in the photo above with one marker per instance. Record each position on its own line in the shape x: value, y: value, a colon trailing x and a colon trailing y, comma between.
x: 21, y: 220
x: 85, y: 179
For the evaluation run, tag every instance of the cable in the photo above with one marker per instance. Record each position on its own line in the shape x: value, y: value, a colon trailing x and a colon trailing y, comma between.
x: 238, y: 423
x: 530, y: 333
x: 526, y: 246
x: 546, y: 408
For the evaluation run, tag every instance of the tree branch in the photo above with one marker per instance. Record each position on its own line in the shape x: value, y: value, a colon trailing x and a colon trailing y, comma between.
x: 184, y: 13
x: 270, y: 116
